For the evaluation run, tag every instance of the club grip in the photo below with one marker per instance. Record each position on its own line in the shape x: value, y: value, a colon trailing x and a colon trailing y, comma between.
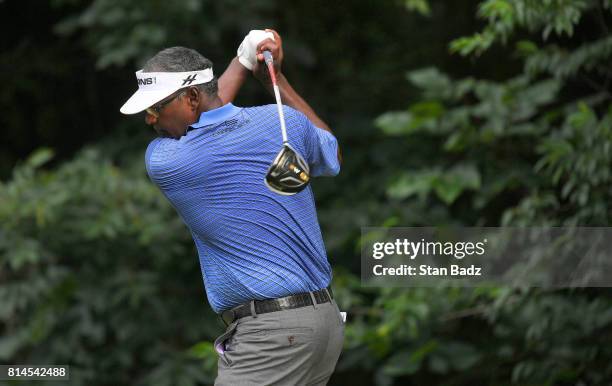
x: 268, y: 57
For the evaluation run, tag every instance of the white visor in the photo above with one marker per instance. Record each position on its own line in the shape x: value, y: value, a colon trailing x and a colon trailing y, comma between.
x: 155, y: 86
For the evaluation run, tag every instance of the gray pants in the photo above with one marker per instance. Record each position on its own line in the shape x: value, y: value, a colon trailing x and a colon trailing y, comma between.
x: 292, y: 347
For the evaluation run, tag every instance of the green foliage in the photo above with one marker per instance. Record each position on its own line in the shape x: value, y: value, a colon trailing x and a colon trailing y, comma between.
x: 504, y: 17
x: 98, y: 272
x: 502, y: 116
x: 93, y: 262
x: 555, y: 147
x: 485, y: 336
x: 119, y: 32
x: 447, y: 185
x: 563, y: 63
x: 420, y: 6
x: 522, y: 151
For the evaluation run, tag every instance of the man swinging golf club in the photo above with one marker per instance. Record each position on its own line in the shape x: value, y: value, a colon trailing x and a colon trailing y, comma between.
x: 249, y: 207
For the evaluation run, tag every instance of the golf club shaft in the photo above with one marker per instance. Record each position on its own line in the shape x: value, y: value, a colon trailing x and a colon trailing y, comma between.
x: 270, y: 63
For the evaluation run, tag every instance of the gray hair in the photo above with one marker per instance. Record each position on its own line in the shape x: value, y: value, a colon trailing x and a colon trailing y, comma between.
x: 180, y: 59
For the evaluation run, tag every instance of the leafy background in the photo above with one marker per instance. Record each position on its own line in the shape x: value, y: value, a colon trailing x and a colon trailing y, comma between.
x: 469, y: 113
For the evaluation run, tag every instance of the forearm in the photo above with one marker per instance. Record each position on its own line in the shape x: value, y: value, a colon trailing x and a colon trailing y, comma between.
x: 232, y: 80
x: 291, y: 98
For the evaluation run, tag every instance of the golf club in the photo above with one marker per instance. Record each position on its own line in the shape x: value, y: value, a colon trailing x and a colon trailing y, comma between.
x: 289, y: 172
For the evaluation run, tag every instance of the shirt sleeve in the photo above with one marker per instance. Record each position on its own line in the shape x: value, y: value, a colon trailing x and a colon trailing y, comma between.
x: 148, y: 154
x: 161, y: 153
x: 321, y: 150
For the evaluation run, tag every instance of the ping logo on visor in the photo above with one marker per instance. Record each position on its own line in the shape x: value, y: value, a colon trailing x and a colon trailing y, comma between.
x: 155, y: 86
x: 145, y: 81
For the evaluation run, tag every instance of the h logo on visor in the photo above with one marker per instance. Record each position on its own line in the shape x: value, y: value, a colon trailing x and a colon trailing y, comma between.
x: 188, y: 80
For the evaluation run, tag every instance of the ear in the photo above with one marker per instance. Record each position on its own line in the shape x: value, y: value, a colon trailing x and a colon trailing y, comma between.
x: 193, y: 97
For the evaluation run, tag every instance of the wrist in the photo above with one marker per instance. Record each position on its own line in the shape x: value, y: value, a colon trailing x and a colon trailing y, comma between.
x: 239, y: 67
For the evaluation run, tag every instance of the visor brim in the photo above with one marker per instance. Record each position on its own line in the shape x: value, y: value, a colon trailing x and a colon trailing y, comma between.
x: 141, y: 100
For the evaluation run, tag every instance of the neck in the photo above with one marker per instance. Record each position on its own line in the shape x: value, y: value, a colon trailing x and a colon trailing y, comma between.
x: 209, y: 104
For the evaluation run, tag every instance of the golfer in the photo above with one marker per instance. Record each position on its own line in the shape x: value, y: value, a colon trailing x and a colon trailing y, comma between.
x: 261, y: 253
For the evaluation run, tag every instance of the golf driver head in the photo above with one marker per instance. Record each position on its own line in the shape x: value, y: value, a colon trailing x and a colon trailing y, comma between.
x: 289, y: 173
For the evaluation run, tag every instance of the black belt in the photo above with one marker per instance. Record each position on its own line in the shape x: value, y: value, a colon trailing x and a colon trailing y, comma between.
x: 270, y: 305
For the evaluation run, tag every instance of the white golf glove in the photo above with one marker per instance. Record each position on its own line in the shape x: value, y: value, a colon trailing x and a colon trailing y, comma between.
x: 248, y: 48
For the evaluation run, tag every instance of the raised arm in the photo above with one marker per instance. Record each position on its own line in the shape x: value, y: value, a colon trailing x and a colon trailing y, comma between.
x: 289, y: 96
x: 236, y: 73
x: 232, y: 80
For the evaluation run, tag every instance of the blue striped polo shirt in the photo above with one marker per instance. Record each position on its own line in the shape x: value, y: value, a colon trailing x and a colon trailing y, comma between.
x: 252, y: 243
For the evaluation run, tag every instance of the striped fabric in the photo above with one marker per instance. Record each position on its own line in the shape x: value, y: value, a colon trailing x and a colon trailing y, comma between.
x: 252, y: 243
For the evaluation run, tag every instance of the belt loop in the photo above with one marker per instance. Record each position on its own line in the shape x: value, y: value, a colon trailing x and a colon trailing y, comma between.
x: 314, y: 301
x: 328, y: 295
x: 253, y: 312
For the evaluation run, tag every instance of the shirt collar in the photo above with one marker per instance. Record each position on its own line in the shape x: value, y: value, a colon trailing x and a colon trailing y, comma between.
x: 217, y: 115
